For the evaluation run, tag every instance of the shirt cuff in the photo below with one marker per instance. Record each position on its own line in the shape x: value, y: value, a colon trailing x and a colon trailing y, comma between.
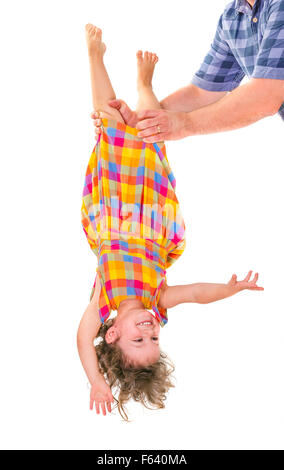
x: 268, y: 72
x: 213, y: 86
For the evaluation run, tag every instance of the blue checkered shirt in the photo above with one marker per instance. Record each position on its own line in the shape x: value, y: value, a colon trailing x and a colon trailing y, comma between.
x: 248, y: 41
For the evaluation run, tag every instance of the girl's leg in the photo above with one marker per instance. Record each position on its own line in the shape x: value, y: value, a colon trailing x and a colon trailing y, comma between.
x: 102, y: 90
x: 145, y: 70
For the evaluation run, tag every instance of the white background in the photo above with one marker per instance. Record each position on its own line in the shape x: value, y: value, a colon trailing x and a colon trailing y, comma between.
x: 228, y: 355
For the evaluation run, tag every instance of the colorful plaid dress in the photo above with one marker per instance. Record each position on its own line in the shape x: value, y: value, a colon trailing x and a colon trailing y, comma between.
x: 131, y: 217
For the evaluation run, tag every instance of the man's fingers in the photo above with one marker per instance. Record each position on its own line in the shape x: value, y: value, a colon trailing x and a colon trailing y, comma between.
x: 150, y: 132
x: 115, y: 103
x: 149, y: 113
x: 155, y: 138
x: 127, y: 114
x: 149, y: 122
x: 95, y: 115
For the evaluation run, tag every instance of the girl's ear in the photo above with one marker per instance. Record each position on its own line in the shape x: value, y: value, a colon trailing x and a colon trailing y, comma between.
x: 111, y: 335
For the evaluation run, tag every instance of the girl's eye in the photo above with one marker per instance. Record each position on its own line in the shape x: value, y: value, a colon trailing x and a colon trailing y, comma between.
x: 155, y: 338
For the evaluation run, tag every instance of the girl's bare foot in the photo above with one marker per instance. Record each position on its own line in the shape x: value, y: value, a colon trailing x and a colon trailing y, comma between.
x: 145, y: 68
x: 94, y: 40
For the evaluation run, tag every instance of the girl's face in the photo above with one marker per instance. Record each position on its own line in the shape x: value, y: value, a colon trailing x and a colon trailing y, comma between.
x: 136, y: 332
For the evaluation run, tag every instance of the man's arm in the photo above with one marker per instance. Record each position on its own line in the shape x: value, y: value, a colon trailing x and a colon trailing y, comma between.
x: 204, y: 293
x: 259, y: 98
x: 190, y: 97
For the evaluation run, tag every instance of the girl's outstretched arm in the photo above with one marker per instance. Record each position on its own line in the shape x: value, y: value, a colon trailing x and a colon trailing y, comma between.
x: 87, y: 331
x: 204, y: 293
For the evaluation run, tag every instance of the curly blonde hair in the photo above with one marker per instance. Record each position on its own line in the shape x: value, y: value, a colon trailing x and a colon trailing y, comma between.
x: 148, y: 384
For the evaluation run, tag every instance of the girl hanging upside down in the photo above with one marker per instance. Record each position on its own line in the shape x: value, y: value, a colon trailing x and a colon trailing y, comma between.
x: 133, y: 223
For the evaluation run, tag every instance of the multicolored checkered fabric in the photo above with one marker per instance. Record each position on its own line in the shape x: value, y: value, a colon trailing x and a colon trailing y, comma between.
x: 248, y: 41
x: 131, y: 217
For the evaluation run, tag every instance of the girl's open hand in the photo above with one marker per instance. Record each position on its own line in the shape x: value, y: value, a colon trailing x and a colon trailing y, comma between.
x: 101, y: 395
x: 246, y: 283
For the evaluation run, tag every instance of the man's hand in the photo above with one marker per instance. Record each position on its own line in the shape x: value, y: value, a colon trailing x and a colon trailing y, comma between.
x: 155, y: 125
x: 101, y: 395
x: 246, y: 283
x: 158, y: 125
x: 129, y: 116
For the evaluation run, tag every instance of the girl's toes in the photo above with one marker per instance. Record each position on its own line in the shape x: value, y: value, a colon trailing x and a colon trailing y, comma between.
x: 139, y: 55
x: 146, y: 55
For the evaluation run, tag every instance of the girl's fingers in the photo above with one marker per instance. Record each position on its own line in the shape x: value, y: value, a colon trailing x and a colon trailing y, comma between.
x: 233, y: 280
x: 97, y: 408
x: 110, y: 401
x: 248, y: 276
x: 103, y: 408
x: 91, y: 403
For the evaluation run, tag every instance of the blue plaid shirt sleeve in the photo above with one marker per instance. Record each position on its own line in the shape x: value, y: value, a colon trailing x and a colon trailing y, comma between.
x: 220, y: 70
x: 270, y: 58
